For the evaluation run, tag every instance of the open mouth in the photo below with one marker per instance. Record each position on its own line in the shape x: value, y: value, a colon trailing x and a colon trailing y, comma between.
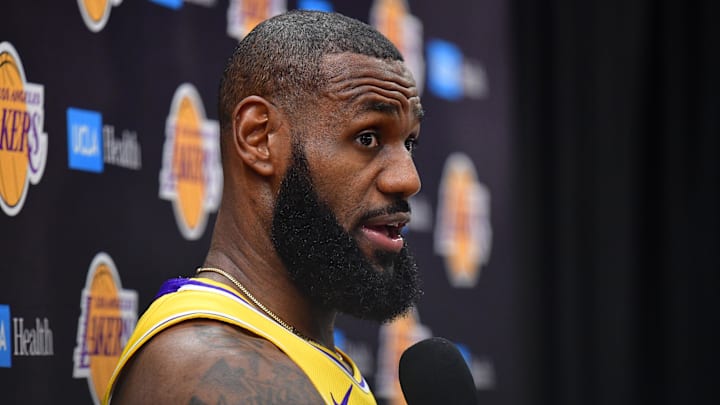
x: 385, y: 233
x: 392, y: 231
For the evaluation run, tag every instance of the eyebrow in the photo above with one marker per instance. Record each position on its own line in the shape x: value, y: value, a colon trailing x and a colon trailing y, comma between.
x: 391, y: 109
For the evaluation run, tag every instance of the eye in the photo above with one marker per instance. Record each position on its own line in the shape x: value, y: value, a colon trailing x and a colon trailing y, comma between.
x: 411, y: 144
x: 368, y: 139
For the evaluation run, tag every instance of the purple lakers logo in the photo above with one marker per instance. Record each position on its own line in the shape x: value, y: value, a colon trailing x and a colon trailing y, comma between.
x: 96, y: 13
x: 191, y: 174
x: 404, y: 30
x: 463, y: 234
x: 23, y: 144
x: 108, y: 316
x: 244, y: 15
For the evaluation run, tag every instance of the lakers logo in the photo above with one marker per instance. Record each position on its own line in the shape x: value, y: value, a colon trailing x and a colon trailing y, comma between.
x: 23, y: 144
x: 404, y: 30
x: 463, y: 234
x: 244, y: 15
x: 395, y: 338
x: 108, y: 316
x: 191, y: 175
x: 96, y: 13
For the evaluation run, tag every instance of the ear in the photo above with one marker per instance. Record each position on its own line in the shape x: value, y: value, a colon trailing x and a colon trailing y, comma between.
x: 255, y: 122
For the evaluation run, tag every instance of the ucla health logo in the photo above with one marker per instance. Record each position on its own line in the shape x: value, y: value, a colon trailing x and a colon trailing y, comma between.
x: 5, y: 337
x: 23, y: 339
x: 177, y: 4
x: 23, y: 144
x: 108, y: 314
x: 482, y: 368
x: 451, y: 75
x: 404, y: 30
x: 92, y: 144
x: 191, y: 174
x: 463, y: 234
x: 318, y: 5
x: 84, y: 140
x: 173, y: 4
x: 96, y: 13
x: 244, y: 15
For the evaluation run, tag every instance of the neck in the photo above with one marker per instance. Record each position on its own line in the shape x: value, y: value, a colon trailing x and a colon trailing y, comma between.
x: 262, y: 273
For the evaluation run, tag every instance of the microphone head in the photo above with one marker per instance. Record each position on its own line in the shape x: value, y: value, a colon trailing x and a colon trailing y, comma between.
x: 433, y: 371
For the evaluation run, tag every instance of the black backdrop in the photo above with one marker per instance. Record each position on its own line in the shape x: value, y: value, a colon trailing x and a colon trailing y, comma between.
x: 618, y: 137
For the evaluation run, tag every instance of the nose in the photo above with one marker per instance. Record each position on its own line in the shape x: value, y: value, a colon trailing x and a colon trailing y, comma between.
x: 399, y: 176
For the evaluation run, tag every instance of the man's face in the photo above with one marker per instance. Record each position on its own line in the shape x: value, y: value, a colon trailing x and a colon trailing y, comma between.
x: 343, y: 201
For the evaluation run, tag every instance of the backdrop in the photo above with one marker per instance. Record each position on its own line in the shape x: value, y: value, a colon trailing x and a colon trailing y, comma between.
x: 110, y: 179
x: 617, y: 136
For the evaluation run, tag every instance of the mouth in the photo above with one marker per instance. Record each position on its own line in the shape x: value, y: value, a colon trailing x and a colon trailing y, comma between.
x: 384, y: 233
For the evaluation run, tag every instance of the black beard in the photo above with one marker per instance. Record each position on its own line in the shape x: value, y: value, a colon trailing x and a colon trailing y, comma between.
x: 325, y: 262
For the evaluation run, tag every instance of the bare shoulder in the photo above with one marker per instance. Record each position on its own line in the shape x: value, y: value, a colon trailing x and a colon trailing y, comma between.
x: 208, y: 362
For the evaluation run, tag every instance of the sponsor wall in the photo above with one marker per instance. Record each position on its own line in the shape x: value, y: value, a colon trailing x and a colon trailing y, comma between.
x: 110, y: 178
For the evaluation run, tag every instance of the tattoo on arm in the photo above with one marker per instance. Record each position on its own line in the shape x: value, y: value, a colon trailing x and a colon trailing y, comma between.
x: 251, y: 371
x: 196, y: 401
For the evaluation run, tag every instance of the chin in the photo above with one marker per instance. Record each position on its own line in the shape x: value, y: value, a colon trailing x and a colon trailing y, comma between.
x: 384, y: 261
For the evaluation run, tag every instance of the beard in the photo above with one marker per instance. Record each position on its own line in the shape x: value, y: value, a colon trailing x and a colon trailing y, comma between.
x: 325, y: 262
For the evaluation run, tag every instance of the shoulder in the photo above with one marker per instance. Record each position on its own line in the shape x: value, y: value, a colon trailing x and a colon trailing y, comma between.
x: 209, y: 362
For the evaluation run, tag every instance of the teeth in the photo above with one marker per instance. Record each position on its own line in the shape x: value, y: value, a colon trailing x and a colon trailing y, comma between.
x: 393, y: 230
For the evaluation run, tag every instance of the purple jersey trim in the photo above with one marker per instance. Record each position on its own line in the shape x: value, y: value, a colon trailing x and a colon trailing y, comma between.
x: 174, y: 284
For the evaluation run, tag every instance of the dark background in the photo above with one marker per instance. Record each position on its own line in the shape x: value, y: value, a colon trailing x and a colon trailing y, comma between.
x: 617, y: 128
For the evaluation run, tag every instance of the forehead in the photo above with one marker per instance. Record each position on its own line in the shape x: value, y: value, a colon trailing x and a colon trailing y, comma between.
x: 355, y: 81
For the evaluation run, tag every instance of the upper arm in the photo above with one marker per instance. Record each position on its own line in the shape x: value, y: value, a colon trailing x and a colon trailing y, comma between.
x: 209, y: 362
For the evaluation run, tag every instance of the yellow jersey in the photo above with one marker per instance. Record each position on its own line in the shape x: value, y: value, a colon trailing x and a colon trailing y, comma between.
x: 183, y: 299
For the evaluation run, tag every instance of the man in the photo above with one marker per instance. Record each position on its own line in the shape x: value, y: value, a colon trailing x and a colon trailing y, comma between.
x: 319, y: 117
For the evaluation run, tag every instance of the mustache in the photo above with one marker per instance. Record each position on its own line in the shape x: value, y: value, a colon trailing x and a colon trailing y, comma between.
x: 393, y: 208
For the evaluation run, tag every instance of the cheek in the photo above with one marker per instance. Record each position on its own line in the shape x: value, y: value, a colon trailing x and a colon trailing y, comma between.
x: 341, y: 179
x: 345, y: 192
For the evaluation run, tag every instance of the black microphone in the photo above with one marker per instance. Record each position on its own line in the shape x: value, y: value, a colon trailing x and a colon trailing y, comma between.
x: 433, y: 371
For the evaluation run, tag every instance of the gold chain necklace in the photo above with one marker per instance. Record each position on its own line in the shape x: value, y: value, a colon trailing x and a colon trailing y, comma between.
x: 267, y: 311
x: 252, y: 298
